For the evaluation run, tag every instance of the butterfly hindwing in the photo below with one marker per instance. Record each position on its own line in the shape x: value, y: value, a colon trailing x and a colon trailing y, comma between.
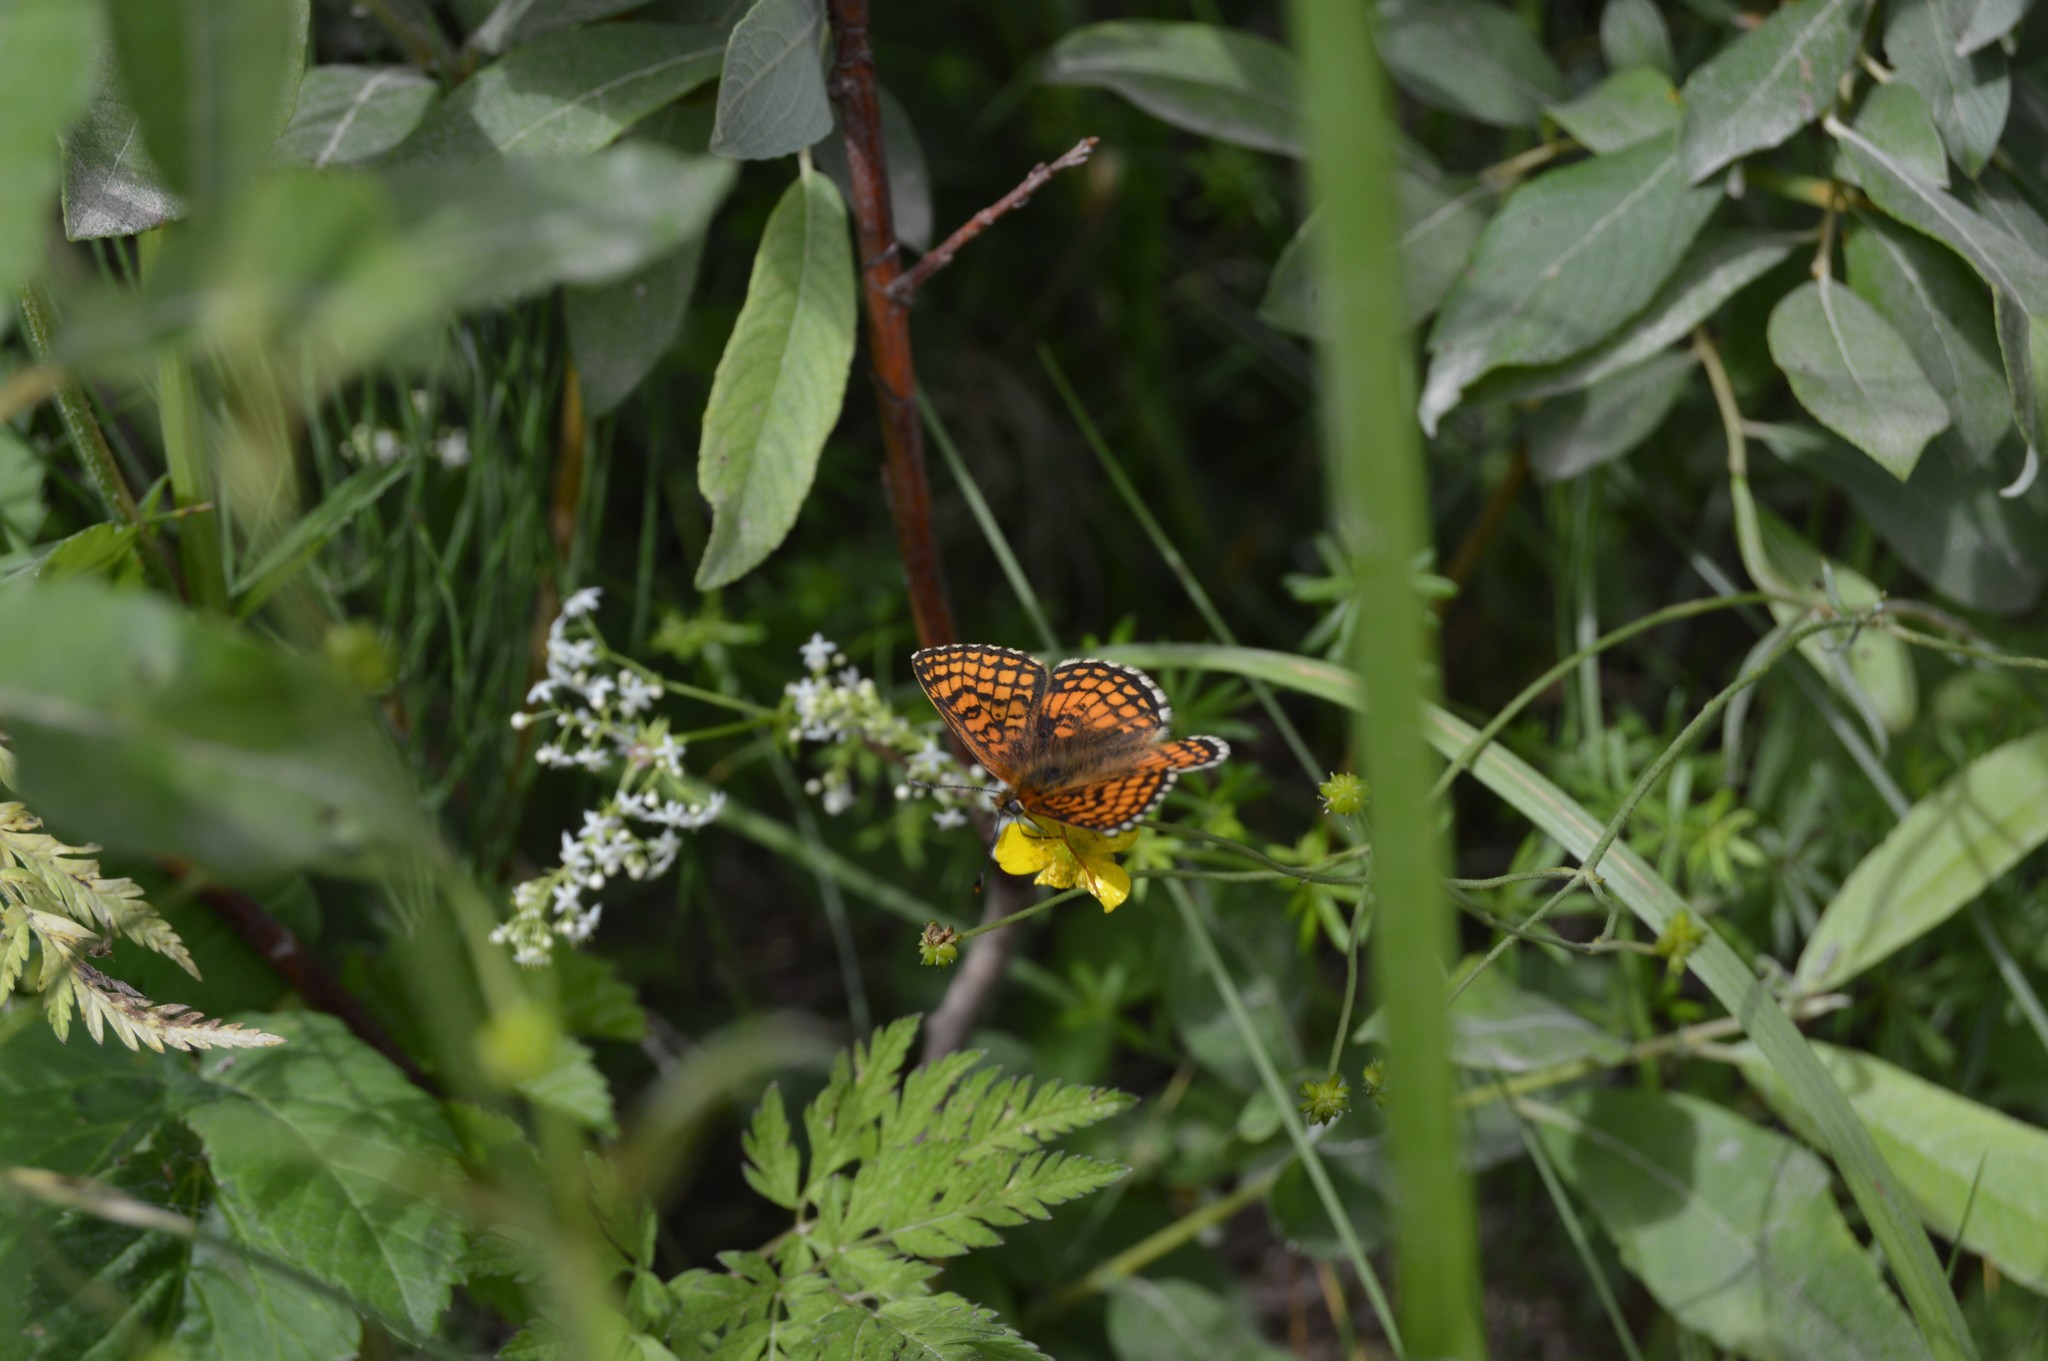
x: 991, y: 697
x: 1188, y: 753
x: 1088, y: 695
x: 1111, y: 805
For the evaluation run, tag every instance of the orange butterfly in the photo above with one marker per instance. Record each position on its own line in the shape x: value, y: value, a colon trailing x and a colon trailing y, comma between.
x: 1079, y: 744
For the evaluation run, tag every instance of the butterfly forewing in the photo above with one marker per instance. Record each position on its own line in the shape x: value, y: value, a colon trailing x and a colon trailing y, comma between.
x: 991, y: 697
x: 1096, y: 696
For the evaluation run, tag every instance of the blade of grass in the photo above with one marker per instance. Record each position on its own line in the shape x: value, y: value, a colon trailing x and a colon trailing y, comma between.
x: 2009, y: 970
x: 998, y: 543
x: 1381, y: 516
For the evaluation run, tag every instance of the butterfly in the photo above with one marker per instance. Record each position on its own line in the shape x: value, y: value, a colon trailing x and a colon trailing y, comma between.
x: 1079, y: 744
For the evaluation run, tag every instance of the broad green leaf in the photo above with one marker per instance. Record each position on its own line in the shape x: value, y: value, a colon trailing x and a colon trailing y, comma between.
x: 1600, y: 423
x: 110, y: 186
x: 1944, y: 315
x: 1767, y: 84
x: 328, y: 1158
x: 46, y: 77
x: 910, y: 182
x: 1232, y: 86
x: 1637, y: 886
x: 170, y: 736
x: 771, y: 98
x: 236, y: 1304
x: 572, y: 1086
x: 1468, y: 57
x: 1171, y: 1320
x: 1852, y: 371
x: 1968, y: 95
x: 1633, y: 33
x: 21, y: 491
x: 1963, y: 1165
x: 1497, y: 1027
x: 350, y: 114
x: 1570, y: 257
x: 780, y: 382
x: 1721, y: 266
x: 1990, y: 20
x: 309, y: 534
x: 105, y: 551
x: 618, y: 330
x: 568, y: 95
x: 1628, y: 107
x: 1731, y: 1227
x: 521, y: 21
x: 1951, y: 846
x: 1896, y: 118
x: 213, y: 82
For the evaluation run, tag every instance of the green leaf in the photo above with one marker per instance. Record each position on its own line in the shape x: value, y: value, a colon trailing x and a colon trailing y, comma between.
x: 1171, y: 1320
x: 1852, y: 371
x: 1722, y: 265
x: 1600, y: 423
x: 942, y: 1327
x: 110, y: 186
x: 1628, y: 107
x: 1945, y: 317
x: 105, y: 551
x: 1569, y: 258
x: 910, y: 181
x: 1951, y: 846
x: 46, y: 77
x: 166, y: 735
x: 1968, y: 95
x: 569, y: 95
x: 1498, y: 1027
x: 212, y: 81
x: 1767, y: 84
x: 1896, y: 118
x: 619, y: 330
x: 331, y: 1160
x: 514, y: 22
x: 21, y: 491
x: 771, y: 98
x: 350, y: 114
x: 1633, y: 33
x: 572, y: 1086
x: 1468, y: 57
x: 237, y: 1305
x: 1235, y: 87
x: 1988, y: 21
x: 780, y: 382
x: 772, y: 1165
x: 1730, y: 1226
x: 1965, y: 1167
x: 311, y: 532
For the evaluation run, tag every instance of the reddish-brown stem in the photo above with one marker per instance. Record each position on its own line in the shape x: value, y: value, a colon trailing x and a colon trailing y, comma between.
x: 940, y: 256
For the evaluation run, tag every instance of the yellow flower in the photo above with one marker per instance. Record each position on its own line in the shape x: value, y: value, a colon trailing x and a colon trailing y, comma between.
x: 1067, y: 857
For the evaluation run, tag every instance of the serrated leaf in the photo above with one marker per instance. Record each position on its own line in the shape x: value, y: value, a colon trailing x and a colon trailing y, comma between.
x: 1235, y: 87
x: 335, y: 1163
x: 772, y: 1166
x: 1568, y: 259
x: 1967, y: 95
x: 569, y: 95
x: 1896, y: 118
x: 1944, y: 315
x: 1767, y: 84
x: 771, y: 97
x: 236, y: 1304
x: 780, y: 382
x: 572, y: 1086
x: 212, y: 83
x: 1600, y: 423
x: 907, y: 1197
x: 1730, y: 1226
x: 1628, y: 107
x: 1966, y: 1167
x: 350, y: 114
x: 1852, y: 371
x: 1947, y: 850
x: 46, y: 76
x: 941, y: 1327
x: 1633, y: 33
x: 1468, y: 57
x: 619, y: 331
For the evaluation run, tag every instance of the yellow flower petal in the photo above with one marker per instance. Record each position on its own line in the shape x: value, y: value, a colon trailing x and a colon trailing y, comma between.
x: 1108, y: 882
x: 1021, y: 850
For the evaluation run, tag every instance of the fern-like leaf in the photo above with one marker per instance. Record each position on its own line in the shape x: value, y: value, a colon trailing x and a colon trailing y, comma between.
x: 772, y: 1166
x: 73, y: 885
x: 933, y: 1328
x: 108, y: 1003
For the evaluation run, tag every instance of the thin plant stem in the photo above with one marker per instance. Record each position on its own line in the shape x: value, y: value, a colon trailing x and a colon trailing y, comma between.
x: 1042, y: 905
x: 1915, y: 638
x: 1353, y: 941
x: 1298, y: 873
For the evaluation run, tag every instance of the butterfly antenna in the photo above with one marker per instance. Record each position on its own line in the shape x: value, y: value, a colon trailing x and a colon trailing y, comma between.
x: 954, y: 788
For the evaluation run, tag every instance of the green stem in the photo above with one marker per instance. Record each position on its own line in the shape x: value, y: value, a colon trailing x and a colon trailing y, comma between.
x: 1043, y: 905
x: 1352, y: 944
x: 1298, y: 873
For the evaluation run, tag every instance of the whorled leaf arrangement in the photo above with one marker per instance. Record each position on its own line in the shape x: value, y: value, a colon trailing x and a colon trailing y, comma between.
x: 53, y: 898
x: 897, y: 1176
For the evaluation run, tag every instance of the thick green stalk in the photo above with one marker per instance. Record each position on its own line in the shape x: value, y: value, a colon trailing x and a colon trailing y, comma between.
x: 1380, y: 501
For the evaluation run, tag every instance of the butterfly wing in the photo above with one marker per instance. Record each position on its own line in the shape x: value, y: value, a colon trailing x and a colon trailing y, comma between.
x: 1188, y: 753
x: 991, y: 697
x: 1107, y: 806
x: 1092, y: 696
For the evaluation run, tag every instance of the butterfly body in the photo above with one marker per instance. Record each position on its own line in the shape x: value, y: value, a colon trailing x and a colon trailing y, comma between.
x: 1081, y: 743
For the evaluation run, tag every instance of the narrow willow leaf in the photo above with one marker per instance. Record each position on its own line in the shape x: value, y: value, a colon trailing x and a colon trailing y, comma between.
x: 111, y: 188
x: 1946, y: 851
x: 1966, y: 1168
x: 1731, y: 1227
x: 1852, y: 371
x: 1968, y: 95
x: 1944, y: 315
x: 910, y: 181
x: 213, y: 82
x: 569, y: 95
x: 771, y: 97
x: 1468, y: 57
x: 46, y: 77
x: 515, y: 22
x: 1633, y: 33
x: 1721, y: 266
x: 1235, y: 87
x: 1989, y: 21
x: 1571, y: 256
x: 780, y: 382
x: 1896, y: 118
x: 1600, y: 423
x: 1628, y: 107
x: 1767, y: 84
x: 350, y: 114
x: 617, y: 331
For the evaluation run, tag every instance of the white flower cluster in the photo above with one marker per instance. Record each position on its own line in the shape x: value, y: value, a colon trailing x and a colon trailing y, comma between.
x: 842, y: 708
x: 598, y: 713
x: 384, y: 446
